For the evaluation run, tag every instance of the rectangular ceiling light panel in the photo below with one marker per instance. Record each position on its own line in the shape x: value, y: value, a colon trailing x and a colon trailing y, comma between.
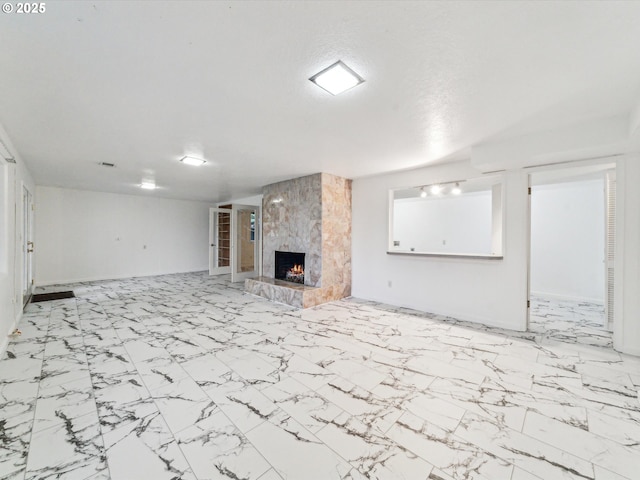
x: 192, y: 161
x: 337, y: 78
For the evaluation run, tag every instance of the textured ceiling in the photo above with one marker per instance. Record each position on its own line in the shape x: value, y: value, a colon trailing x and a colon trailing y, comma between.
x: 140, y: 84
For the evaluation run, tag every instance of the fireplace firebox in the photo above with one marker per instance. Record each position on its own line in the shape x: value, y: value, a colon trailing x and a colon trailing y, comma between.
x: 290, y: 267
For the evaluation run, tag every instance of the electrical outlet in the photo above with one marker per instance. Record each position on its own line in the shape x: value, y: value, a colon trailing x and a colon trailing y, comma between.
x: 389, y: 283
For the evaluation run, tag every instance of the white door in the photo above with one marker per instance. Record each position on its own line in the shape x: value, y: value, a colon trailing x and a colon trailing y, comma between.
x: 27, y: 245
x: 219, y: 241
x: 246, y: 242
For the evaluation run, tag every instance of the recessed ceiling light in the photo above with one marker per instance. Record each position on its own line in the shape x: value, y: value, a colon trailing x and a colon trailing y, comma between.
x: 196, y: 162
x: 148, y: 185
x: 337, y: 78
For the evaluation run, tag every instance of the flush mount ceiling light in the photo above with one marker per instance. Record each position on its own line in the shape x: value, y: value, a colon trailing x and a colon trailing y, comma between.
x: 148, y: 185
x: 337, y: 78
x: 196, y: 162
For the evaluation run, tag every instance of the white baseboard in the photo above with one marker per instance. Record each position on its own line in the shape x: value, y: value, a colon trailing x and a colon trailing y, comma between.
x: 4, y: 344
x: 488, y: 322
x: 4, y: 341
x: 106, y: 279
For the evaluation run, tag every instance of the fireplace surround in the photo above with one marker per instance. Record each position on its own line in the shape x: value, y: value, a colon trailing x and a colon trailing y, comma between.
x: 310, y: 214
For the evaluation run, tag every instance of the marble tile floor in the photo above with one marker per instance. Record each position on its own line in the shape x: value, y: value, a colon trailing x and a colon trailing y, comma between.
x: 569, y: 321
x: 186, y: 377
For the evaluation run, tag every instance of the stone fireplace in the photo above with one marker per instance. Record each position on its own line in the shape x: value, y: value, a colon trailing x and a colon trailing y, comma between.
x: 310, y: 215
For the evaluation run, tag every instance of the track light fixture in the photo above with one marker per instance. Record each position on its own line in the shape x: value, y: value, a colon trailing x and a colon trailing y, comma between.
x: 439, y: 188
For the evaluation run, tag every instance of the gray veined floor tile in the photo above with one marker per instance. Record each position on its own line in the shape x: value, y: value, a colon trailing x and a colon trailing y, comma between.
x: 374, y: 455
x: 17, y: 407
x: 609, y: 455
x: 216, y: 449
x: 183, y: 404
x: 270, y: 475
x: 160, y: 372
x: 207, y: 370
x: 295, y: 453
x: 453, y: 455
x: 58, y: 370
x: 65, y: 345
x: 245, y: 405
x: 362, y: 404
x: 59, y: 404
x: 145, y: 449
x: 123, y: 400
x: 186, y: 377
x: 20, y: 369
x: 524, y: 451
x: 72, y: 449
x: 306, y: 406
x: 255, y: 370
x: 357, y: 373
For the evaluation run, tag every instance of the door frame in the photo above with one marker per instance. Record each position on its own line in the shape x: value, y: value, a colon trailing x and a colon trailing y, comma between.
x: 213, y: 241
x: 257, y: 244
x: 605, y: 164
x: 27, y: 245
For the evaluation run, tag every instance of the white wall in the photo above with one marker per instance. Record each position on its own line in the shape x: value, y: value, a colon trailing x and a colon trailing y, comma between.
x: 12, y: 179
x: 82, y: 235
x: 255, y: 200
x: 626, y: 332
x: 452, y: 224
x: 567, y: 240
x: 488, y: 291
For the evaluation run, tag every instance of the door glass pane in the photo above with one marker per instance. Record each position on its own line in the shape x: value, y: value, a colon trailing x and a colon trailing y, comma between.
x: 224, y: 239
x: 245, y: 241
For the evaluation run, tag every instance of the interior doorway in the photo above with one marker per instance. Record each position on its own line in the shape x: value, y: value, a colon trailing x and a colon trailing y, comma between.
x: 572, y: 233
x: 234, y: 241
x: 27, y: 245
x: 246, y: 248
x: 220, y: 240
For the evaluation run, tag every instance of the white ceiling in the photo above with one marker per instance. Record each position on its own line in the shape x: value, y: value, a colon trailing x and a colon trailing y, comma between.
x: 140, y: 84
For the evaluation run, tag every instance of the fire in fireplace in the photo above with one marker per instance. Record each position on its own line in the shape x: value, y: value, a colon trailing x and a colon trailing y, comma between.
x: 290, y: 267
